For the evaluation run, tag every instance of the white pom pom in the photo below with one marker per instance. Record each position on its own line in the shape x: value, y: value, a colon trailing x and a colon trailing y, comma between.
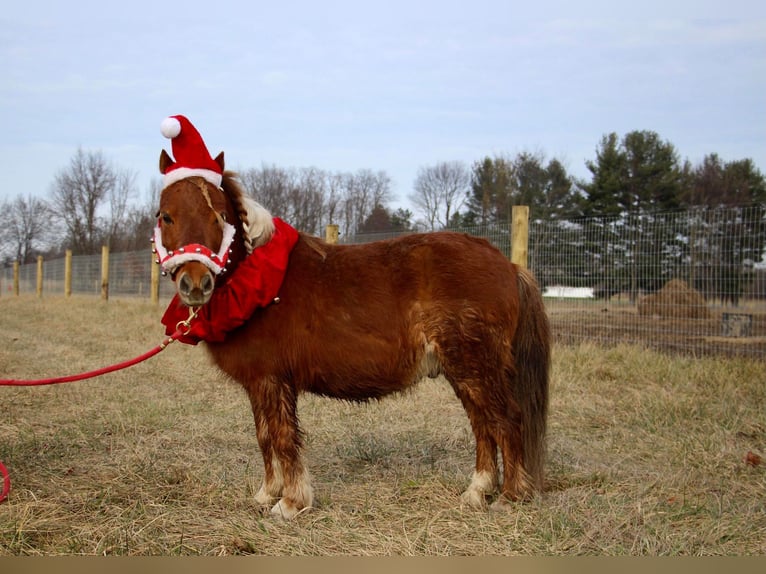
x: 170, y: 127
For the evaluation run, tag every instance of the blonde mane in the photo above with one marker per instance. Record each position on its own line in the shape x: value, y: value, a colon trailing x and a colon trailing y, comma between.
x: 257, y: 221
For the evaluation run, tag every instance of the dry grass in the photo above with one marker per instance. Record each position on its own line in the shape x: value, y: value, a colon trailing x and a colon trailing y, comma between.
x: 646, y: 455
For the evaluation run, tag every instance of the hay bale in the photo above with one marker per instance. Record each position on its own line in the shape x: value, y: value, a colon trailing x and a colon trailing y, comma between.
x: 675, y: 300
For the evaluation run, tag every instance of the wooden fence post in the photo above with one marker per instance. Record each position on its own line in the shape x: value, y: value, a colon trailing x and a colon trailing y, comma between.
x: 520, y: 235
x: 16, y: 272
x: 68, y: 273
x: 331, y: 233
x: 155, y: 280
x: 105, y: 272
x: 39, y: 276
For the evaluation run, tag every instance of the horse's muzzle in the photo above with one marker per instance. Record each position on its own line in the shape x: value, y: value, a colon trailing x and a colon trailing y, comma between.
x: 195, y: 284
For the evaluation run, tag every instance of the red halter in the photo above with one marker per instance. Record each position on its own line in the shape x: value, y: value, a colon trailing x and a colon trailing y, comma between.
x: 171, y: 260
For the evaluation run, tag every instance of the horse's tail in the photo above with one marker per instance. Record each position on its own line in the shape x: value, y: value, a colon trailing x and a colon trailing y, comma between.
x: 532, y: 356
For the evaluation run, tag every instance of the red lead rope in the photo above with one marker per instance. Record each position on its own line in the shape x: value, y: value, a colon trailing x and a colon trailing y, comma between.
x: 6, y: 482
x: 90, y: 374
x: 182, y: 328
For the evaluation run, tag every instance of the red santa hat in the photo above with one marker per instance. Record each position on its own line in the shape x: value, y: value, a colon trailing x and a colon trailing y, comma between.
x: 191, y: 155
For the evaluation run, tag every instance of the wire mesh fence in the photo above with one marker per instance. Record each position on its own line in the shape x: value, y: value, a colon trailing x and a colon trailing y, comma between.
x: 692, y: 281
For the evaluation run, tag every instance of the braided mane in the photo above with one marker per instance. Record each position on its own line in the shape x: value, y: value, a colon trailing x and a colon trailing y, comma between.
x: 256, y: 220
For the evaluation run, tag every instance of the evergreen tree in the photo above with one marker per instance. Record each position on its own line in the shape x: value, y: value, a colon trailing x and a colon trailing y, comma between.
x: 640, y: 173
x: 401, y: 220
x: 726, y: 225
x: 561, y: 199
x: 491, y: 190
x: 379, y: 221
x: 653, y: 176
x: 603, y: 193
x: 497, y: 184
x: 633, y: 179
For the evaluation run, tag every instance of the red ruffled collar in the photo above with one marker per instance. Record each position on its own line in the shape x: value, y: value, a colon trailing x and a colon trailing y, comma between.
x: 254, y: 283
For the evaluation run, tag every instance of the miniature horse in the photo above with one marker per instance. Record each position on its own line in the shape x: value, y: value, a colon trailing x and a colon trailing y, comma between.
x: 358, y: 322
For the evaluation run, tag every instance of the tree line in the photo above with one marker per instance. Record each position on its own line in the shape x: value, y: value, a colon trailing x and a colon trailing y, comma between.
x: 90, y: 203
x: 93, y: 202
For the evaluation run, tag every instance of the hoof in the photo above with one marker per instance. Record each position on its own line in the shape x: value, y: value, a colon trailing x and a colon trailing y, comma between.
x: 474, y: 499
x: 502, y: 504
x: 286, y: 510
x: 482, y: 485
x: 263, y: 498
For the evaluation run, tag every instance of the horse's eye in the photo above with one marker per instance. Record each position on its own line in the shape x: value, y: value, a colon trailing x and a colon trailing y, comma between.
x: 223, y: 215
x: 166, y: 219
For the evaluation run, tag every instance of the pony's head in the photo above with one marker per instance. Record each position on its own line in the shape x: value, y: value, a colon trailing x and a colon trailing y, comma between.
x: 205, y: 224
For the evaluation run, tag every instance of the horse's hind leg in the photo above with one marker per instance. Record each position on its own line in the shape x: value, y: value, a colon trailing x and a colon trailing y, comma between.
x: 484, y: 480
x: 496, y: 421
x: 516, y: 484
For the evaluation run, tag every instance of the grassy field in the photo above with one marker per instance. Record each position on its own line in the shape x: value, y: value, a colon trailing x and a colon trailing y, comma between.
x: 646, y: 454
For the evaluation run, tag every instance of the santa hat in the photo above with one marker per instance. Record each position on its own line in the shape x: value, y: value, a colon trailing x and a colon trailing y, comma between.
x: 191, y: 155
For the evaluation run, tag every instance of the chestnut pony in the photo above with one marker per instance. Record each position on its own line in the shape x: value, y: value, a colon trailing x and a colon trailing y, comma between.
x: 358, y: 322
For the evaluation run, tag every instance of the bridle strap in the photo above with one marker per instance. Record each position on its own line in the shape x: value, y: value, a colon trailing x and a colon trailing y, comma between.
x: 206, y: 195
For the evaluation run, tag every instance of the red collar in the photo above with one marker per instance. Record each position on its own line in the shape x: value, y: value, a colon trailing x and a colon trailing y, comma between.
x: 254, y: 283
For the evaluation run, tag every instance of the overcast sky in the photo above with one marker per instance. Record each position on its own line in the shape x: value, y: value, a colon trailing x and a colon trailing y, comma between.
x: 388, y: 85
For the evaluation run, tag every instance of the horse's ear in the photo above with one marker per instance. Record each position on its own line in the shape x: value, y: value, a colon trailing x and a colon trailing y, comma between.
x: 219, y: 160
x: 165, y: 161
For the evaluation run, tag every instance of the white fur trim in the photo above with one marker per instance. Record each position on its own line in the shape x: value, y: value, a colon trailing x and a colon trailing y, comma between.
x: 170, y: 127
x: 226, y: 239
x: 179, y: 259
x: 180, y: 173
x: 159, y: 248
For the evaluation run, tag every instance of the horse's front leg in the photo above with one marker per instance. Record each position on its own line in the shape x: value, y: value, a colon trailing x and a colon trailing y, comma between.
x: 285, y: 474
x: 271, y: 487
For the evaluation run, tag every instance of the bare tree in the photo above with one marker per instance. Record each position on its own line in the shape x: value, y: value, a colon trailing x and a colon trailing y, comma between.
x: 296, y: 195
x: 309, y: 197
x: 25, y: 227
x: 440, y: 191
x: 308, y: 200
x: 79, y: 191
x: 333, y: 207
x: 140, y: 219
x: 119, y: 197
x: 362, y: 192
x: 269, y: 185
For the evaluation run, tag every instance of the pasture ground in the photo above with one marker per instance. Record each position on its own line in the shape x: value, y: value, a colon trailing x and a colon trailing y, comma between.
x: 618, y: 321
x: 646, y: 454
